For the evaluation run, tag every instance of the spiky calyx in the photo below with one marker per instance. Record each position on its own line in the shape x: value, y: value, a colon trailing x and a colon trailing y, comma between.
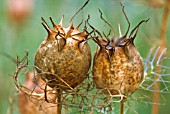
x: 64, y: 57
x: 118, y: 67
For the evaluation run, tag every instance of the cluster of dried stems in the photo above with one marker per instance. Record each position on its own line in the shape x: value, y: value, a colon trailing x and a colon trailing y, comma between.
x: 79, y: 97
x: 86, y: 97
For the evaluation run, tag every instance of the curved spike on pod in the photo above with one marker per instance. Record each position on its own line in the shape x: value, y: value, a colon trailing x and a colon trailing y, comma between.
x: 86, y: 22
x: 79, y: 10
x: 45, y: 25
x: 101, y: 16
x: 120, y: 33
x: 132, y: 39
x: 93, y: 29
x: 123, y: 9
x: 136, y: 28
x: 107, y: 37
x: 77, y: 27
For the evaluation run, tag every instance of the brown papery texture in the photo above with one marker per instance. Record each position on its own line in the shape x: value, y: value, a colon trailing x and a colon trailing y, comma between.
x: 64, y: 57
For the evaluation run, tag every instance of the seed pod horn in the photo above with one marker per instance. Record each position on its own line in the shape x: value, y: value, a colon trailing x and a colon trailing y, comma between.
x: 64, y: 57
x: 117, y: 66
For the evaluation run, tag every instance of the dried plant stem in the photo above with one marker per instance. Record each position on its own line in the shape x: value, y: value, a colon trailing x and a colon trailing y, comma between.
x: 122, y: 107
x: 155, y: 107
x: 59, y: 106
x: 164, y: 24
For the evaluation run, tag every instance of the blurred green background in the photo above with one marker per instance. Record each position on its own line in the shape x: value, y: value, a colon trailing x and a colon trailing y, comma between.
x: 25, y: 32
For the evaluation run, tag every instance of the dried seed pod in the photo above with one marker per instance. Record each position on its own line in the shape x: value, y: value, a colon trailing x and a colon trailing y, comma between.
x: 64, y: 57
x: 118, y: 67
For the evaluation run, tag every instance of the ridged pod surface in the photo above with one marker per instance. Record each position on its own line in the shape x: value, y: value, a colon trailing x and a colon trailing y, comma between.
x: 120, y: 71
x: 118, y: 67
x: 64, y: 57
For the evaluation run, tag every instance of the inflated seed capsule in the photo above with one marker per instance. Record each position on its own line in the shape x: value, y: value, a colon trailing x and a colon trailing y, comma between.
x: 64, y: 57
x: 118, y: 67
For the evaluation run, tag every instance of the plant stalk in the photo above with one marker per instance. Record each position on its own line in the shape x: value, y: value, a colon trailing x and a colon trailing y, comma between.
x: 59, y: 105
x: 122, y: 107
x: 155, y: 107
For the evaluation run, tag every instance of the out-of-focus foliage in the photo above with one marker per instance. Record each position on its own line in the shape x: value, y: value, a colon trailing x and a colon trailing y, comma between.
x: 15, y: 38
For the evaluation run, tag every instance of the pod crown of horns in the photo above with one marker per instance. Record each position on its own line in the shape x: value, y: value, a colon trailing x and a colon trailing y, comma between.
x: 70, y: 31
x: 122, y: 40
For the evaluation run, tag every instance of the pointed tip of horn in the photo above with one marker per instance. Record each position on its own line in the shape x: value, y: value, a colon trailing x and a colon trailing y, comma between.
x: 71, y: 25
x: 45, y: 25
x: 61, y: 21
x: 52, y: 22
x: 42, y: 18
x: 120, y: 33
x: 147, y: 20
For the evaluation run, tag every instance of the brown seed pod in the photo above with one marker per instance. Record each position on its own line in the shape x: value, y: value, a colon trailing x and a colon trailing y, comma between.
x: 64, y: 57
x: 118, y: 67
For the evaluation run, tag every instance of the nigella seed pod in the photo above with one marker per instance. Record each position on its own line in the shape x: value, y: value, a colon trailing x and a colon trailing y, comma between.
x: 64, y: 53
x: 64, y: 57
x: 118, y: 67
